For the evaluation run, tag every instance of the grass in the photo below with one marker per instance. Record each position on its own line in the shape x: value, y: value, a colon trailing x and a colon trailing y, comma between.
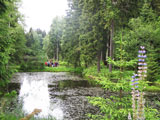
x: 62, y: 67
x: 13, y: 116
x: 92, y: 71
x: 155, y: 87
x: 152, y: 89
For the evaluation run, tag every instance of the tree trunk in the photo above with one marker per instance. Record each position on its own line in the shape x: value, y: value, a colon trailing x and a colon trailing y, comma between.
x: 55, y: 57
x: 57, y: 50
x: 120, y: 96
x: 86, y: 65
x: 111, y: 44
x: 104, y: 55
x: 108, y: 49
x: 98, y: 61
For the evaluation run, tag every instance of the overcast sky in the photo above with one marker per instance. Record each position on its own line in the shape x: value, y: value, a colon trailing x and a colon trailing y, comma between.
x: 40, y: 13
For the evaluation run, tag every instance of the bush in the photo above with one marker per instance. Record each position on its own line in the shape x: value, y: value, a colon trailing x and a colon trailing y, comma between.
x: 31, y: 63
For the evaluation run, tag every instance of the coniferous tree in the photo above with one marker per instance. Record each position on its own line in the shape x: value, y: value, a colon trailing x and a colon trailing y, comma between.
x: 11, y: 33
x: 71, y: 48
x: 55, y: 36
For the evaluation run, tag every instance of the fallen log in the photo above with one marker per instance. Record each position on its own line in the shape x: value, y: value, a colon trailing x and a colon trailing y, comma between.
x: 35, y: 112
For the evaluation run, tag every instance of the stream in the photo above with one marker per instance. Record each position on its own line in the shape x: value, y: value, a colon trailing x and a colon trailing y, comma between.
x: 60, y: 95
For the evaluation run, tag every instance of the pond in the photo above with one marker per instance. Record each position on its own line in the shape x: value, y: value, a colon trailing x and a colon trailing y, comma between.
x: 60, y: 95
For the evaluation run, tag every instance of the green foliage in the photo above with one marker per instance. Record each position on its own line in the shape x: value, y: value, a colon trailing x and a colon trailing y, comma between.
x: 32, y: 63
x: 87, y: 28
x: 151, y: 114
x: 152, y: 88
x: 70, y: 38
x: 144, y: 32
x: 52, y: 42
x: 93, y: 38
x: 153, y: 73
x: 34, y: 42
x: 11, y: 34
x: 110, y: 108
x: 116, y: 106
x: 5, y: 102
x: 12, y: 110
x: 62, y: 67
x: 81, y: 38
x: 34, y: 56
x: 111, y: 105
x: 147, y: 13
x: 19, y: 45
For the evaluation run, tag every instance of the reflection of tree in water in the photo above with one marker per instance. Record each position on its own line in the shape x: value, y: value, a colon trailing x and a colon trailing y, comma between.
x: 73, y: 84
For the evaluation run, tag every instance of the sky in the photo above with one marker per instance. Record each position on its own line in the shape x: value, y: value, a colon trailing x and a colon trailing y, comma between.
x: 40, y: 13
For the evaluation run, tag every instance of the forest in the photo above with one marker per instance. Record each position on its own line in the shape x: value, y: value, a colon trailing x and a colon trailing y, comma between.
x: 112, y: 43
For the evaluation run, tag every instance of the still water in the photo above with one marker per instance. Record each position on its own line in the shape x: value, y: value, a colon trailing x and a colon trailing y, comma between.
x: 60, y: 95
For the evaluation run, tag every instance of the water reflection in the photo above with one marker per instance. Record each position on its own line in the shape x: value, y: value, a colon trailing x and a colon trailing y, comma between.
x: 34, y: 93
x: 60, y: 95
